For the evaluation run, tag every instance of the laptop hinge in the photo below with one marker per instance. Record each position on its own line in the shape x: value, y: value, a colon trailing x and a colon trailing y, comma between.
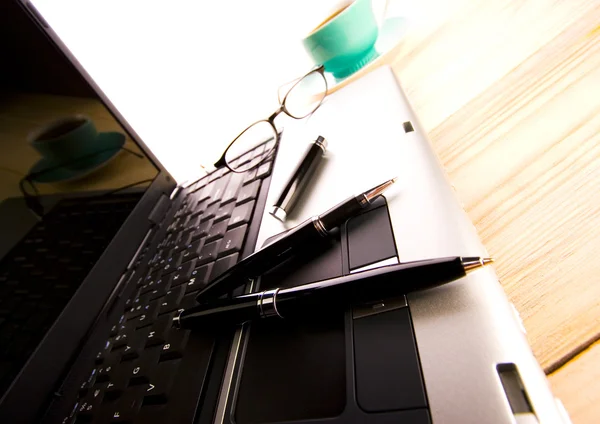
x: 175, y: 192
x: 160, y: 209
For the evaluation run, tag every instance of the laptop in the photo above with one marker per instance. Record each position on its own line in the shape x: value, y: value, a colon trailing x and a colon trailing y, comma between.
x: 94, y: 267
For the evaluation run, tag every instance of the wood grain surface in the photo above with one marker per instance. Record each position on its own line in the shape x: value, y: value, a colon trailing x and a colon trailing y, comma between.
x: 579, y: 382
x: 509, y: 92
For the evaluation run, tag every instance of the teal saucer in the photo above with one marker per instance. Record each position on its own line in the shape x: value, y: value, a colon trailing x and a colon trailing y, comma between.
x: 48, y: 171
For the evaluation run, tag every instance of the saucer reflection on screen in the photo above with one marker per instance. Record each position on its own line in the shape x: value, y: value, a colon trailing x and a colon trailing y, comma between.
x: 113, y: 142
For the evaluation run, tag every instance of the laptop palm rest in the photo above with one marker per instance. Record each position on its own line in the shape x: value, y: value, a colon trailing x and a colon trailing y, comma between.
x: 333, y: 367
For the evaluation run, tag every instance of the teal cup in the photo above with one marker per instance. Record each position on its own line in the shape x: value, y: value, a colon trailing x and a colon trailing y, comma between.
x: 345, y: 41
x: 66, y: 140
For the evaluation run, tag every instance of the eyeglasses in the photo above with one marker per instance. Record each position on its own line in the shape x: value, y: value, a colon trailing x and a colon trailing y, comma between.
x: 257, y: 142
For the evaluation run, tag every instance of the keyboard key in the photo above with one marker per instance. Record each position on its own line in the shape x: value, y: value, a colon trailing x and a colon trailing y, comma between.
x: 192, y: 250
x: 159, y: 332
x: 89, y: 405
x: 137, y: 309
x: 184, y: 239
x: 193, y: 223
x: 150, y: 312
x: 232, y: 241
x: 198, y: 208
x: 168, y: 267
x: 88, y: 383
x: 231, y: 192
x: 263, y: 170
x: 171, y: 301
x: 241, y: 214
x: 173, y: 348
x: 158, y: 293
x: 157, y: 283
x: 174, y: 224
x: 193, y: 188
x: 104, y: 352
x: 224, y: 212
x: 134, y: 348
x: 248, y: 192
x: 118, y: 382
x: 250, y: 176
x: 208, y: 253
x: 114, y: 330
x: 103, y: 373
x: 209, y: 212
x: 200, y: 277
x: 217, y: 231
x: 161, y: 383
x: 140, y: 372
x: 173, y: 257
x: 151, y: 276
x: 207, y: 192
x: 202, y: 230
x: 219, y: 189
x: 126, y: 408
x: 167, y: 243
x: 216, y: 174
x: 137, y: 301
x: 122, y: 339
x: 179, y: 223
x: 183, y: 273
x: 223, y: 264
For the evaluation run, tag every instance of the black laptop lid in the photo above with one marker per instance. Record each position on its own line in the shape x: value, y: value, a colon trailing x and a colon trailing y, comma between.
x: 71, y: 179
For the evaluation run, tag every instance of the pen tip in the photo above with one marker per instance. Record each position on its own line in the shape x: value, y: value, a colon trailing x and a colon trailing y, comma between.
x: 472, y: 263
x: 377, y: 190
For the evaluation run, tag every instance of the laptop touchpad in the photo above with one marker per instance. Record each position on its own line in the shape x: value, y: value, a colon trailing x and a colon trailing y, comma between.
x: 295, y: 369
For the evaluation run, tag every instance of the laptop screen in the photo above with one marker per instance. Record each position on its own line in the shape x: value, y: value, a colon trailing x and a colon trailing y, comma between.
x: 69, y: 177
x: 55, y: 134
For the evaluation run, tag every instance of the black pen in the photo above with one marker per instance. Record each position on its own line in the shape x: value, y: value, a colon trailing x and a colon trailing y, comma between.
x: 301, y: 238
x: 297, y: 302
x: 299, y: 179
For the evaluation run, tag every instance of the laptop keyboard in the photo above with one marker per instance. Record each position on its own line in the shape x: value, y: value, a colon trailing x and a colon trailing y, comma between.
x: 41, y: 273
x: 146, y: 371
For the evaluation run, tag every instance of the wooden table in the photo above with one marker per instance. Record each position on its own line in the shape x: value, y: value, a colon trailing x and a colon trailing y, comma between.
x: 509, y: 92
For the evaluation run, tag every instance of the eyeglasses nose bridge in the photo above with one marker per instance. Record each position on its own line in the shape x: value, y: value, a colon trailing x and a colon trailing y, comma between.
x: 274, y: 115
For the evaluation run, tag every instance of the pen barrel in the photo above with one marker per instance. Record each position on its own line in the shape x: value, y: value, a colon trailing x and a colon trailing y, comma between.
x: 299, y: 239
x: 220, y: 313
x: 340, y: 213
x: 325, y: 296
x: 367, y: 286
x: 301, y: 176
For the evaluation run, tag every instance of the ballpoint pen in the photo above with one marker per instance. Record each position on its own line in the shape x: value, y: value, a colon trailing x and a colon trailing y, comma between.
x: 300, y: 301
x: 299, y: 179
x: 302, y: 238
